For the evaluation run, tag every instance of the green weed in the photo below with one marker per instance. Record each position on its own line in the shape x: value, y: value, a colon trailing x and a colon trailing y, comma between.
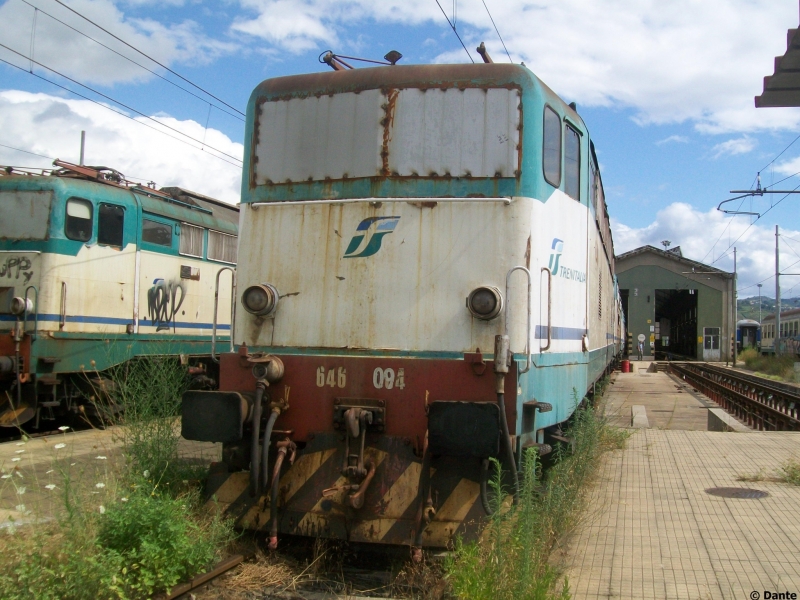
x: 512, y: 559
x: 779, y: 368
x: 790, y: 472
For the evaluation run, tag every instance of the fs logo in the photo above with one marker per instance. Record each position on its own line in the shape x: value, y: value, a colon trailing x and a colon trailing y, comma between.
x: 555, y: 255
x: 368, y: 236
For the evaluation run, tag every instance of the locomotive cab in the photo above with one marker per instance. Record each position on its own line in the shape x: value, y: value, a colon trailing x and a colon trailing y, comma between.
x: 425, y: 254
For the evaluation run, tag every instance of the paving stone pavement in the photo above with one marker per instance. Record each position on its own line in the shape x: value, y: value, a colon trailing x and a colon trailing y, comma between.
x: 651, y: 530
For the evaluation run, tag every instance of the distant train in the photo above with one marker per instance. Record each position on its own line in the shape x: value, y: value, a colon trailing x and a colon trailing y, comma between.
x: 748, y: 334
x: 789, y: 336
x: 427, y: 275
x: 94, y: 271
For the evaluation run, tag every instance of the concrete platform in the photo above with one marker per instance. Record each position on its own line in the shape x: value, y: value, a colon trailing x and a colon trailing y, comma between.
x: 652, y: 531
x: 669, y: 402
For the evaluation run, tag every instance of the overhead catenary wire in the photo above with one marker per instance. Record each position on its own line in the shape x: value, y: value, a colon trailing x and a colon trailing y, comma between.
x: 107, y: 97
x: 449, y: 22
x: 112, y: 109
x: 163, y: 66
x: 129, y: 59
x: 497, y: 30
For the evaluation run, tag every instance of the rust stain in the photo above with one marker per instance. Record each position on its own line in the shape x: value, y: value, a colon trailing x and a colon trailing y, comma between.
x: 388, y: 125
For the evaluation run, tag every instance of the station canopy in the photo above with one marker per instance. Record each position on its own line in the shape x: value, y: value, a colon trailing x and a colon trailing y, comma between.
x: 783, y: 87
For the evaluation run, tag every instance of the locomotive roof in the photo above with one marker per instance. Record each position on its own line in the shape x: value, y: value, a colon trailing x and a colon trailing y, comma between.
x: 173, y: 202
x: 418, y: 76
x: 784, y: 313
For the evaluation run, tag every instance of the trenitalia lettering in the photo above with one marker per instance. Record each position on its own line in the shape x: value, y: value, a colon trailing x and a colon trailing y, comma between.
x: 572, y: 274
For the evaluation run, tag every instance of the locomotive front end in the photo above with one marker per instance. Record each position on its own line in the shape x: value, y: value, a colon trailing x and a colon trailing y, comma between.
x: 366, y: 397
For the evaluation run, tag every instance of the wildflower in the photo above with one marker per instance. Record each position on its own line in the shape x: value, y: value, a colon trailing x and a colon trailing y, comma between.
x: 20, y: 508
x: 102, y: 509
x: 100, y: 485
x: 16, y: 459
x: 63, y: 428
x: 19, y: 474
x: 18, y: 451
x: 6, y: 476
x: 21, y: 490
x: 72, y: 464
x: 50, y: 471
x: 146, y: 473
x: 59, y: 446
x: 50, y: 486
x: 20, y: 443
x: 101, y: 458
x: 123, y: 499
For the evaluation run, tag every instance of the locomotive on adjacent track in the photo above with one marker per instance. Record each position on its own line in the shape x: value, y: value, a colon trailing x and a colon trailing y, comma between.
x: 94, y: 271
x: 426, y: 273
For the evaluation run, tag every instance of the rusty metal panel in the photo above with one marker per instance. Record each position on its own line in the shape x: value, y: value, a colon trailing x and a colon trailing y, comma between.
x: 25, y: 215
x: 327, y: 137
x: 468, y: 132
x: 390, y: 276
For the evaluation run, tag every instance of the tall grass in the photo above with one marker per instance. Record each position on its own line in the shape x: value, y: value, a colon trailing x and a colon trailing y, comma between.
x: 131, y: 535
x: 512, y: 560
x: 777, y: 366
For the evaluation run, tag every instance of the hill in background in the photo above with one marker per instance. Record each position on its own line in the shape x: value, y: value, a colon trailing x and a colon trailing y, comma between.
x: 748, y: 307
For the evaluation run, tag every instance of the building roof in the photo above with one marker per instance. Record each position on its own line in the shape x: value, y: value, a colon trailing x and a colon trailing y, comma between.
x: 782, y: 88
x: 676, y: 255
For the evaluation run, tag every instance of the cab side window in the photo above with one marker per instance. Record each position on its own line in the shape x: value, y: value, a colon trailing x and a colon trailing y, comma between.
x: 110, y: 225
x: 551, y: 147
x: 572, y: 163
x: 79, y: 220
x: 154, y: 232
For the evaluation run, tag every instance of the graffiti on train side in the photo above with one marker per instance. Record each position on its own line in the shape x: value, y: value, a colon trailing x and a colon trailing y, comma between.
x: 164, y: 300
x: 14, y: 266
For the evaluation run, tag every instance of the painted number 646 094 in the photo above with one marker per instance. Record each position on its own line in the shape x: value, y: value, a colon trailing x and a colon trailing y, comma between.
x: 387, y: 379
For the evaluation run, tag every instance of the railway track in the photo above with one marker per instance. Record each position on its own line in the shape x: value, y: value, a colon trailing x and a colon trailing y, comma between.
x: 757, y: 402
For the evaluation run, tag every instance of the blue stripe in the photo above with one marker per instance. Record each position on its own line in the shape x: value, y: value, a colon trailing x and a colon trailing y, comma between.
x: 560, y: 333
x: 114, y: 321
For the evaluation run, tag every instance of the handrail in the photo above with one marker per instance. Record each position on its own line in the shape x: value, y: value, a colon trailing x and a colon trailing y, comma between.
x: 35, y: 311
x: 63, y: 315
x: 549, y: 308
x: 374, y: 199
x: 216, y: 305
x: 508, y: 314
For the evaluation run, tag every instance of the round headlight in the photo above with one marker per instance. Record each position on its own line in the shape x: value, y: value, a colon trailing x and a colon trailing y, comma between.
x: 261, y: 300
x: 19, y: 306
x: 485, y: 302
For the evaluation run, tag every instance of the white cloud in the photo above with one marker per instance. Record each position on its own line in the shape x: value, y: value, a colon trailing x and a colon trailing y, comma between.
x: 671, y: 62
x: 678, y: 139
x: 732, y: 147
x: 707, y: 237
x: 73, y: 54
x: 51, y: 126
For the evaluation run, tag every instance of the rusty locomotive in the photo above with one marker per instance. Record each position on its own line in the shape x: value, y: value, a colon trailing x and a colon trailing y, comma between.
x: 426, y: 273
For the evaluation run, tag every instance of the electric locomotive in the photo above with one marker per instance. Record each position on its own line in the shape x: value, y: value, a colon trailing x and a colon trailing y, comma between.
x: 426, y: 273
x: 95, y: 271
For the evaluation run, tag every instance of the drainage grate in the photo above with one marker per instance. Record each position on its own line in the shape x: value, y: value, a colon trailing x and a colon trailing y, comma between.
x: 737, y: 493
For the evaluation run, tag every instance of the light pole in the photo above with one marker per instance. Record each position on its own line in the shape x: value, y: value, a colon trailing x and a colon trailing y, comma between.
x: 759, y: 303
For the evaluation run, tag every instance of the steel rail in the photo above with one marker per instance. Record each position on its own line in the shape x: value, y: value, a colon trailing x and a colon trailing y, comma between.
x: 759, y: 403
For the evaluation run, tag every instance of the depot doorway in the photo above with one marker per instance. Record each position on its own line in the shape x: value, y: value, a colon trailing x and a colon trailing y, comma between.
x: 675, y: 327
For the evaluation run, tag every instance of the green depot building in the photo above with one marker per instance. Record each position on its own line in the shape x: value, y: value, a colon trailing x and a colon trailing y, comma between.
x: 679, y: 307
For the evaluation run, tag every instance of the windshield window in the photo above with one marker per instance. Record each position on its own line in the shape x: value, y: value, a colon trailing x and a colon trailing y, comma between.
x: 24, y: 215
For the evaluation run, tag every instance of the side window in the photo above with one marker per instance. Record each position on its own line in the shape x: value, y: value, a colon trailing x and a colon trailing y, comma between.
x: 110, y: 224
x: 572, y: 163
x: 191, y: 240
x: 221, y: 246
x: 551, y: 147
x: 79, y: 221
x: 154, y: 232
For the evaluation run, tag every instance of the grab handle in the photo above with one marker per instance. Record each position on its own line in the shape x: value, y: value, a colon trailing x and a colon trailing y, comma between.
x: 216, y: 305
x: 549, y: 307
x: 508, y: 314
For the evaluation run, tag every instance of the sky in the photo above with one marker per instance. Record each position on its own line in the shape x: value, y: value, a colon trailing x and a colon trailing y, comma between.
x: 666, y: 89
